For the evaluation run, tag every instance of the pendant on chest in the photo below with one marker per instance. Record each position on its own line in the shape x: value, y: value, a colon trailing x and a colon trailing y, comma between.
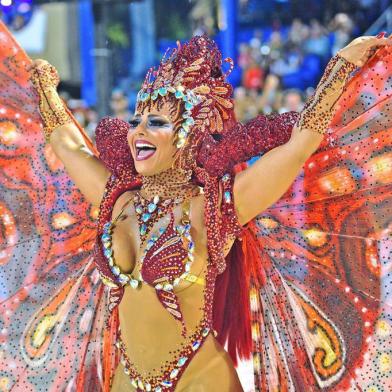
x: 168, y: 256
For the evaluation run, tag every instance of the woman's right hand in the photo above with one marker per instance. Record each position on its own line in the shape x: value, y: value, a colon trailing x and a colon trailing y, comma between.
x: 66, y: 138
x: 45, y: 79
x: 44, y: 76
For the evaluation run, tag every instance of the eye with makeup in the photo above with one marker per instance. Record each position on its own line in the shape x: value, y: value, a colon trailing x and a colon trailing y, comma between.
x: 134, y: 123
x: 152, y: 122
x: 158, y: 122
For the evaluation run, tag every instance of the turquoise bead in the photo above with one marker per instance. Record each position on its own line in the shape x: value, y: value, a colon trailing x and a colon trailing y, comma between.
x: 106, y: 237
x: 145, y: 97
x: 190, y: 121
x: 181, y: 361
x: 151, y: 208
x: 227, y: 196
x: 143, y: 229
x: 108, y: 252
x: 146, y: 216
x: 179, y: 94
x: 162, y: 91
x: 188, y: 106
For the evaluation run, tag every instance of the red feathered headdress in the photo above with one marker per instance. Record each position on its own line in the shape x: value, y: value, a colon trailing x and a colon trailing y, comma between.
x: 208, y: 134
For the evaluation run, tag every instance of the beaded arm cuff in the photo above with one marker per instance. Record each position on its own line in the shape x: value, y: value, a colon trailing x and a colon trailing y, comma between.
x: 318, y: 111
x: 52, y: 109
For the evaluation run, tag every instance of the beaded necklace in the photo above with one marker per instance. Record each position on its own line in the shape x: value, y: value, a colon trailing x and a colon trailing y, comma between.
x: 150, y: 211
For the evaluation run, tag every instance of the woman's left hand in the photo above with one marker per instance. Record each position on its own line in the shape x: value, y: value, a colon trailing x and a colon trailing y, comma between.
x: 361, y: 49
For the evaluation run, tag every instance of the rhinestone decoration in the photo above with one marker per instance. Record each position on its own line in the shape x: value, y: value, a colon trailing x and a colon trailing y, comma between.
x: 190, y: 101
x: 214, y: 114
x: 148, y: 213
x: 122, y: 277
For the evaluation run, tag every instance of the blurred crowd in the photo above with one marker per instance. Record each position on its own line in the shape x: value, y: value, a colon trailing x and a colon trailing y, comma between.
x: 279, y: 71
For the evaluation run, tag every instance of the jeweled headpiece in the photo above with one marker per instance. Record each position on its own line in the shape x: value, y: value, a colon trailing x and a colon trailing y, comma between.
x: 192, y: 74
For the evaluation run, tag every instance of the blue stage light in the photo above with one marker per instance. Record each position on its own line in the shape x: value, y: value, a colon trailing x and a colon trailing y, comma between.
x: 12, y: 12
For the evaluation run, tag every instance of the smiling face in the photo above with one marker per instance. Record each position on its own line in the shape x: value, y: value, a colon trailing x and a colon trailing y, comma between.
x: 151, y: 138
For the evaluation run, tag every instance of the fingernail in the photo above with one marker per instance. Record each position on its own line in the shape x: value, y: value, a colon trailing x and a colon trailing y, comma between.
x: 381, y: 34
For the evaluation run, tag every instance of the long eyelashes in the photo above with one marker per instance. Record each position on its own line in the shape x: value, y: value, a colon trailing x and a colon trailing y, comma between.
x: 134, y: 123
x: 152, y: 124
x: 158, y: 123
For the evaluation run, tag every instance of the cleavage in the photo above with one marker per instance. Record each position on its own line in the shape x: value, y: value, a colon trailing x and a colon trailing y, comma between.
x: 165, y: 255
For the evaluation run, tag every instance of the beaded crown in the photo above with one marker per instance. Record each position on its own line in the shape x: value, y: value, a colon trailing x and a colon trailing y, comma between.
x: 192, y: 73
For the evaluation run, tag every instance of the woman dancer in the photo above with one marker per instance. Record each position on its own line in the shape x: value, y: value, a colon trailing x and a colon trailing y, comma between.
x: 183, y: 275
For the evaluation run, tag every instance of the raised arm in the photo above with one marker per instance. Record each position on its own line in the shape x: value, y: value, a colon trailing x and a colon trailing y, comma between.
x: 263, y: 183
x: 70, y: 144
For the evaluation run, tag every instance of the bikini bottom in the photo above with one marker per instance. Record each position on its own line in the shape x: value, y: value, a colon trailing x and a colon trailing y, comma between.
x: 168, y: 379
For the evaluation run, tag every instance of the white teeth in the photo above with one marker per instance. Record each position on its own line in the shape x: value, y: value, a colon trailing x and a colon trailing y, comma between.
x: 141, y: 145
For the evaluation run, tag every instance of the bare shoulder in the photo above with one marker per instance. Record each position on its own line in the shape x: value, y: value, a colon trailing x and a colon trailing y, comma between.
x: 198, y: 221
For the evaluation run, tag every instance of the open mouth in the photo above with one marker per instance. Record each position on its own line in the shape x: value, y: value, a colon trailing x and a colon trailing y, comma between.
x: 144, y: 150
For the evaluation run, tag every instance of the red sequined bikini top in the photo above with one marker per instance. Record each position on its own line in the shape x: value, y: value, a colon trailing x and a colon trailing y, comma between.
x: 167, y: 258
